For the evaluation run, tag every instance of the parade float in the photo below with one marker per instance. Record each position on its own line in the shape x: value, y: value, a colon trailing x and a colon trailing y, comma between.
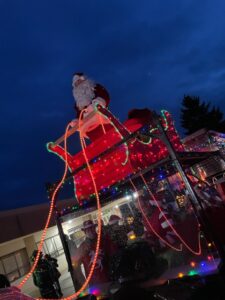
x: 137, y: 201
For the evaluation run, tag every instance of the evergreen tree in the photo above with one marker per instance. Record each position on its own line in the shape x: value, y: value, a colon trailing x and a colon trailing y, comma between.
x: 196, y: 115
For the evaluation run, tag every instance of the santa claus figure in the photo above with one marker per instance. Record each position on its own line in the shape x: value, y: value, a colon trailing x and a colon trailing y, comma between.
x: 88, y: 95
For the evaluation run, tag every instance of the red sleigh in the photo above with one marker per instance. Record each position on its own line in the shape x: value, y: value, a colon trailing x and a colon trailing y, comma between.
x: 124, y: 160
x: 114, y: 156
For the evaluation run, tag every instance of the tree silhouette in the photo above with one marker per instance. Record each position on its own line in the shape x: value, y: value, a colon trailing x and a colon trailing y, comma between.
x: 196, y: 115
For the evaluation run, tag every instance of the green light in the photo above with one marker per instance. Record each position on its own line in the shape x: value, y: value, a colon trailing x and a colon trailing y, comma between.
x: 163, y: 113
x: 192, y: 273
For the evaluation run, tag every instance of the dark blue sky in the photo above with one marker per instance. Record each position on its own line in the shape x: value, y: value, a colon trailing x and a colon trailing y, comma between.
x: 147, y: 53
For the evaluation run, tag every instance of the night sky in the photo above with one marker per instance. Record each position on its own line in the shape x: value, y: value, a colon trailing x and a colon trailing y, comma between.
x: 147, y: 53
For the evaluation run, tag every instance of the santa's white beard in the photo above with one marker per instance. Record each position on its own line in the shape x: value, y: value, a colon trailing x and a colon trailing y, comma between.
x: 84, y: 93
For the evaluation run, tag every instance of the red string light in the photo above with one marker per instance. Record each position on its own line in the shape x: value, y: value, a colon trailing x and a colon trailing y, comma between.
x: 150, y: 225
x: 198, y: 252
x: 73, y: 296
x: 82, y: 141
x: 141, y: 154
x: 49, y: 216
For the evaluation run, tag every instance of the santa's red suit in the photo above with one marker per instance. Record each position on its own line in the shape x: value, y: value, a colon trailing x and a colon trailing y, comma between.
x: 88, y: 95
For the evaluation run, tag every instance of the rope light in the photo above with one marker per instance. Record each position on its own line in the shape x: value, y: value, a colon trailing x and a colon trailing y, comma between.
x: 52, y: 203
x: 73, y: 296
x: 150, y: 225
x: 198, y: 252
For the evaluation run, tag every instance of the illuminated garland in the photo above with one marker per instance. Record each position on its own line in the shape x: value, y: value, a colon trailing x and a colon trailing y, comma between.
x: 150, y: 138
x: 214, y: 139
x: 163, y: 112
x: 99, y: 225
x: 99, y: 222
x: 83, y: 145
x: 141, y: 156
x: 49, y: 218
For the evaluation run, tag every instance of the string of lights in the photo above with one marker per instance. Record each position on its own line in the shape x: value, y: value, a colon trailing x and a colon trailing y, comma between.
x: 198, y: 252
x: 73, y: 296
x: 52, y: 203
x: 149, y: 223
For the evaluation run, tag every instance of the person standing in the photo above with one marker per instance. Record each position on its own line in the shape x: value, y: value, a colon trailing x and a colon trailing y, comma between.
x: 86, y: 252
x: 117, y: 232
x: 77, y: 274
x: 43, y: 278
x: 56, y: 274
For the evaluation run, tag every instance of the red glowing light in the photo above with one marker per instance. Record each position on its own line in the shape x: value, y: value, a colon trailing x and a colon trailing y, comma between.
x: 50, y: 214
x: 135, y: 150
x: 150, y: 225
x: 198, y: 252
x: 192, y: 264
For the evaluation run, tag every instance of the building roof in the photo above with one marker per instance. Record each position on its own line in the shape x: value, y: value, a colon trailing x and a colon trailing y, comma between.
x: 26, y: 220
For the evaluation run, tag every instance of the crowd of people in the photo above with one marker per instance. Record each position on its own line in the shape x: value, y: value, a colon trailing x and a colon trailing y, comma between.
x: 116, y: 235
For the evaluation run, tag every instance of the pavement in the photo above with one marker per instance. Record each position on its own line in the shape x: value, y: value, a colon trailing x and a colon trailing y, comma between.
x: 65, y: 283
x: 203, y: 268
